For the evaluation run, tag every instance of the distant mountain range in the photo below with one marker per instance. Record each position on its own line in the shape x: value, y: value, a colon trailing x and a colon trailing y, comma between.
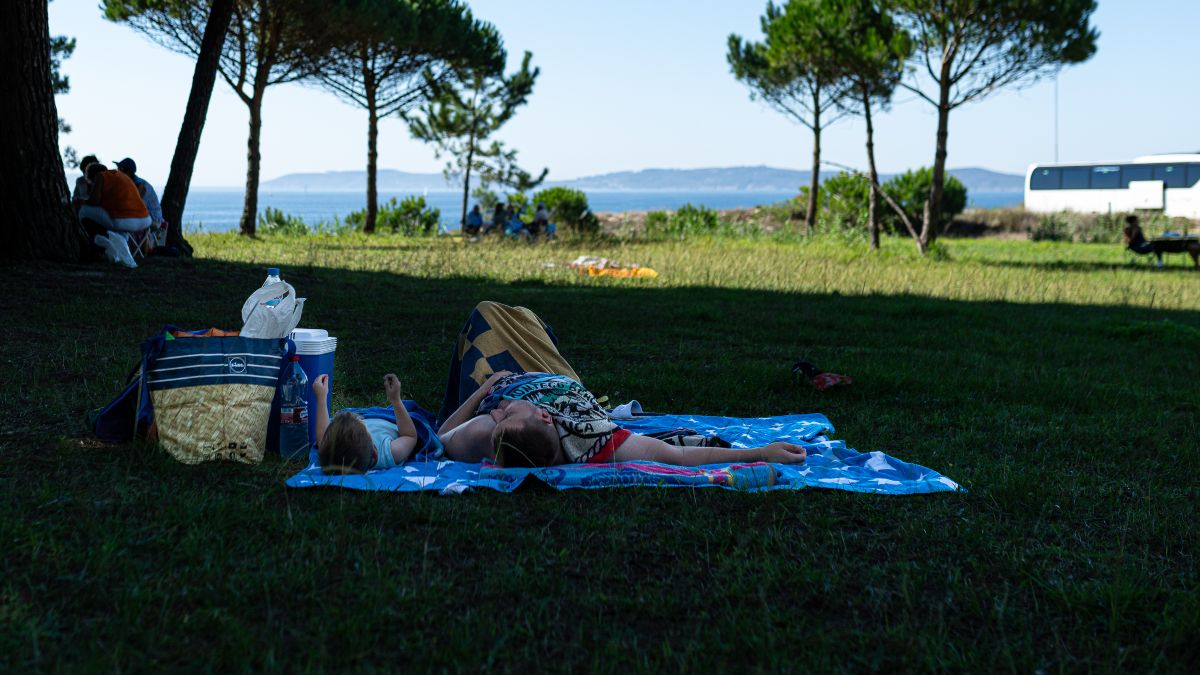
x: 728, y: 179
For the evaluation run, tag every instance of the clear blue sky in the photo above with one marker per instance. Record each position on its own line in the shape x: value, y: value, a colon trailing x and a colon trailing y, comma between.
x: 629, y: 85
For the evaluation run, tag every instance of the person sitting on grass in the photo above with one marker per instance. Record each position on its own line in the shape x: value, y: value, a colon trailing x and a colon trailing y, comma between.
x: 350, y: 444
x: 516, y: 227
x: 542, y: 419
x: 474, y: 222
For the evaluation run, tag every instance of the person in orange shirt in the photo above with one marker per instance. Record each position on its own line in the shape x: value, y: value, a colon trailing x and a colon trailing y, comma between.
x: 113, y: 201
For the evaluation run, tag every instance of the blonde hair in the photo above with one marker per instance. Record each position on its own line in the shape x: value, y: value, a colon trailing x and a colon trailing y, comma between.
x: 347, y: 446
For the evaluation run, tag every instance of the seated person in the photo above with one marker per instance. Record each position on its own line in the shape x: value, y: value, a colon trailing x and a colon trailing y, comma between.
x: 515, y: 227
x: 128, y: 167
x: 113, y: 201
x: 541, y: 220
x: 499, y: 218
x: 80, y: 194
x: 1136, y: 241
x: 474, y: 222
x: 541, y: 419
x: 351, y: 444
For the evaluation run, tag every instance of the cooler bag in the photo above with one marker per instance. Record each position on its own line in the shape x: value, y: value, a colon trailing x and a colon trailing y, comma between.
x: 205, y: 395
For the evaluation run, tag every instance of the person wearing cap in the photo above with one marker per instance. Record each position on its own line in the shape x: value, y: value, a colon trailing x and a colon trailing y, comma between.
x: 113, y: 201
x: 149, y: 197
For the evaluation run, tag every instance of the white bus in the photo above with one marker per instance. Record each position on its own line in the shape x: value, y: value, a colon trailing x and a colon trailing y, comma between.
x: 1167, y: 183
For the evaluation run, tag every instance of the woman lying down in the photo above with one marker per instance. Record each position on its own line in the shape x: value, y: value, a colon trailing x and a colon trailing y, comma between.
x: 515, y: 420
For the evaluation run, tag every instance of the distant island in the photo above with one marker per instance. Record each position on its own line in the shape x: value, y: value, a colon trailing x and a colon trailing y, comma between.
x: 726, y: 179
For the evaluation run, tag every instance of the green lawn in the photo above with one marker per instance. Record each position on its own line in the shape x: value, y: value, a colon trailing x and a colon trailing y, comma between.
x: 1057, y: 382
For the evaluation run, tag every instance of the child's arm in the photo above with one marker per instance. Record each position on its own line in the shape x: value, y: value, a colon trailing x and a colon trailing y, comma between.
x: 403, y: 446
x: 320, y: 387
x: 643, y: 447
x: 467, y: 410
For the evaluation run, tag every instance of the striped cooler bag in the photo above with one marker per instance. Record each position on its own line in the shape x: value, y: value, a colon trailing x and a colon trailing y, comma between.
x: 213, y: 395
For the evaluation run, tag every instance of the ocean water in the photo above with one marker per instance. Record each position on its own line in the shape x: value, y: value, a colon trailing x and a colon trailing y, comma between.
x: 220, y: 210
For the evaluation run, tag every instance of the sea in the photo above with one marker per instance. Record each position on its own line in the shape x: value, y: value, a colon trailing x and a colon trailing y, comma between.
x: 216, y: 210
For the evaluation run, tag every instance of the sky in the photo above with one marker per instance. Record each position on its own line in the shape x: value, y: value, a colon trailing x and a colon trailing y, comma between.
x: 629, y: 85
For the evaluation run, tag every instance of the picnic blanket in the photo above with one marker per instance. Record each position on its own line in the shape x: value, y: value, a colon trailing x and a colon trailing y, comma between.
x: 498, y: 337
x: 830, y: 464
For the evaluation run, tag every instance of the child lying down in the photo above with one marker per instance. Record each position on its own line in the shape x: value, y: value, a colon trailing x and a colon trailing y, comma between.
x: 515, y: 420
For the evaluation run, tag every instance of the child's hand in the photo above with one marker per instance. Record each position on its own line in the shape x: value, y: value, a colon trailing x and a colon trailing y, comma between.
x: 320, y: 387
x: 391, y: 385
x: 783, y: 453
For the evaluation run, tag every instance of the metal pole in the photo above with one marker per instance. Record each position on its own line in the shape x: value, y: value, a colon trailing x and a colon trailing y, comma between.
x: 1056, y: 117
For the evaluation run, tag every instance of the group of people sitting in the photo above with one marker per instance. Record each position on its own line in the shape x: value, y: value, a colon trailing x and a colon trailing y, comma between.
x: 507, y: 219
x: 115, y: 206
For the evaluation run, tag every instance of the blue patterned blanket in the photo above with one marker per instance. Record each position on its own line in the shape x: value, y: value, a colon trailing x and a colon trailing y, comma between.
x: 830, y: 464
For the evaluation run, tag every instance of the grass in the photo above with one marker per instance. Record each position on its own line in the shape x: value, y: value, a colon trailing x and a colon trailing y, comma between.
x: 1057, y: 382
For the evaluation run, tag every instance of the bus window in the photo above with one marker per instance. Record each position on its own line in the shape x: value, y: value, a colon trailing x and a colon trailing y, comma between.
x: 1106, y: 177
x: 1132, y: 172
x: 1170, y: 174
x: 1075, y: 178
x: 1193, y: 175
x: 1044, y: 179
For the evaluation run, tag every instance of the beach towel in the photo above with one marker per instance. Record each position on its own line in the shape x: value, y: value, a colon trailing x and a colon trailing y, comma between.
x: 830, y: 464
x: 498, y: 337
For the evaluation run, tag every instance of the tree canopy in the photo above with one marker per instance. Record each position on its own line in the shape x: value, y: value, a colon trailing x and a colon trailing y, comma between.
x: 461, y: 116
x: 965, y: 50
x: 793, y: 71
x: 379, y: 52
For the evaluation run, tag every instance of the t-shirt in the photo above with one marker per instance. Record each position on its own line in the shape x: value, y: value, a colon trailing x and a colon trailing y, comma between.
x: 151, y: 200
x: 81, y: 190
x: 382, y: 433
x: 585, y: 431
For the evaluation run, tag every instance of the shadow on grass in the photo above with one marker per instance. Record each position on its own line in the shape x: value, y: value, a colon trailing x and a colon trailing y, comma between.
x: 1072, y: 426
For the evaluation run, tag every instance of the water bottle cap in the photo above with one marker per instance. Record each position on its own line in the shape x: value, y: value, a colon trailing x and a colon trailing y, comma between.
x: 295, y: 358
x: 272, y: 271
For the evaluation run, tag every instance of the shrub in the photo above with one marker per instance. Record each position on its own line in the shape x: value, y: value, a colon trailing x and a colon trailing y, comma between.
x: 275, y: 221
x: 1051, y: 227
x: 842, y: 202
x: 911, y: 190
x: 410, y: 216
x: 687, y: 221
x: 568, y: 208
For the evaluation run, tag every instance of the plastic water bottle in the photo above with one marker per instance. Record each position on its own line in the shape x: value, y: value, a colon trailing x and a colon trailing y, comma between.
x: 293, y: 413
x: 272, y: 278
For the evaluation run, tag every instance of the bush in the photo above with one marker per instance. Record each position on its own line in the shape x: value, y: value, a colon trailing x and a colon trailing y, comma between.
x: 568, y: 208
x: 687, y: 221
x: 411, y: 216
x: 911, y: 190
x: 1051, y: 227
x: 274, y: 221
x: 842, y: 202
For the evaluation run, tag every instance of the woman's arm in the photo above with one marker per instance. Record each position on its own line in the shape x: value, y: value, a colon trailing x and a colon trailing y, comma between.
x: 402, y: 447
x: 645, y: 448
x: 470, y: 441
x: 467, y: 410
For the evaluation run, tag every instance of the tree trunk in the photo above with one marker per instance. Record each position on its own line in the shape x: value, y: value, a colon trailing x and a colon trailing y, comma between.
x: 933, y: 225
x: 36, y: 218
x: 253, y: 160
x: 188, y: 144
x: 467, y: 183
x: 814, y: 183
x: 873, y: 194
x: 372, y: 147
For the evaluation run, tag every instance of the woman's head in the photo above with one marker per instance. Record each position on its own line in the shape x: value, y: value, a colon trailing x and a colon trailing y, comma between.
x: 95, y: 169
x: 347, y: 446
x: 1131, y: 220
x: 525, y: 436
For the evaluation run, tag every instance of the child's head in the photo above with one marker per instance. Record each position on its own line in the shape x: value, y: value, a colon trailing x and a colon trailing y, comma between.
x: 525, y: 436
x: 347, y: 446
